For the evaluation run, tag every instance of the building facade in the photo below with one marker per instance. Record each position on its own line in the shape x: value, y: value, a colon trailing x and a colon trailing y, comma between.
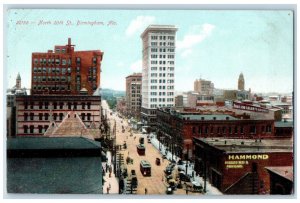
x: 65, y: 71
x: 176, y: 128
x: 204, y: 87
x: 133, y: 95
x: 35, y: 113
x: 158, y: 70
x: 237, y: 166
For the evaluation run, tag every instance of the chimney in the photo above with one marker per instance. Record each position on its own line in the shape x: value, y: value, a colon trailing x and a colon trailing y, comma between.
x: 69, y: 41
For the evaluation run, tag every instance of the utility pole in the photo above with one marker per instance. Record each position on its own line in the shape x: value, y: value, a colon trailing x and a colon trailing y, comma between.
x: 187, y: 157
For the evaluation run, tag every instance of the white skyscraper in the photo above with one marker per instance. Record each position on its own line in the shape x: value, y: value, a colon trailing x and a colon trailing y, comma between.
x: 158, y: 70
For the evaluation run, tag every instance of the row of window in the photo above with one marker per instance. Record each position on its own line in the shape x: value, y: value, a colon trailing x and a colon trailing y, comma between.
x: 162, y: 93
x: 162, y: 68
x: 161, y: 81
x: 52, y: 78
x: 153, y: 62
x: 152, y: 106
x: 58, y: 105
x: 161, y: 99
x: 153, y: 37
x: 52, y: 70
x: 163, y: 56
x: 162, y: 50
x: 162, y: 75
x: 230, y: 130
x: 162, y: 44
x: 154, y: 87
x: 51, y: 88
x: 52, y: 61
x: 30, y: 129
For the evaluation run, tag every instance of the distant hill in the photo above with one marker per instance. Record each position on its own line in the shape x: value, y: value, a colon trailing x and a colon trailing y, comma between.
x: 110, y: 92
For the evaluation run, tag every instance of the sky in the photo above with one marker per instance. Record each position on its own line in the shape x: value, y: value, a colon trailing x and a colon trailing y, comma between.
x: 215, y: 45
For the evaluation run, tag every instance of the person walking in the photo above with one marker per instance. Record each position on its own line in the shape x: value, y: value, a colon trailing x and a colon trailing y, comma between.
x: 146, y: 191
x: 107, y: 190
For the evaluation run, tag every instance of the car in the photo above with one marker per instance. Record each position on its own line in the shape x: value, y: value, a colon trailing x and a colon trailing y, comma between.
x: 168, y: 170
x: 169, y: 191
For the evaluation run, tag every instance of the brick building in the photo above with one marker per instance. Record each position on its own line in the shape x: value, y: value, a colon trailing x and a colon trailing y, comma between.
x: 133, y: 95
x: 237, y: 166
x: 65, y: 71
x: 64, y: 84
x: 176, y: 128
x: 35, y: 113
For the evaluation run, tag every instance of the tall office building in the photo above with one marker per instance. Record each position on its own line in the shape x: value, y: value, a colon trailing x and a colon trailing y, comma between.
x: 133, y: 95
x: 158, y: 70
x: 65, y: 71
x: 204, y: 87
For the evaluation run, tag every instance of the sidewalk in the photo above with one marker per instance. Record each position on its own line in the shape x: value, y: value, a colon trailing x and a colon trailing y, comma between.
x: 110, y: 181
x: 210, y: 190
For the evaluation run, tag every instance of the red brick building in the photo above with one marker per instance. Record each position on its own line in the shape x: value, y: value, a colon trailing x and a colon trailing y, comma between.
x: 65, y: 71
x: 64, y: 84
x: 176, y: 128
x: 237, y: 166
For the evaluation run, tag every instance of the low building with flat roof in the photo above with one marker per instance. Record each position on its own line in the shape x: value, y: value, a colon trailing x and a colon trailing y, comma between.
x: 56, y: 165
x: 237, y: 166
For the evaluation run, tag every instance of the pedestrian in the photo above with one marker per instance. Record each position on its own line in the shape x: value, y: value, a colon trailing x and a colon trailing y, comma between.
x: 146, y: 191
x: 107, y: 190
x: 109, y: 186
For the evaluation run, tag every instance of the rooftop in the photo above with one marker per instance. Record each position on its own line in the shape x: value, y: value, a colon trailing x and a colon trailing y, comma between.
x: 46, y: 143
x: 159, y: 28
x: 71, y: 175
x: 283, y: 171
x: 249, y: 145
x: 282, y: 124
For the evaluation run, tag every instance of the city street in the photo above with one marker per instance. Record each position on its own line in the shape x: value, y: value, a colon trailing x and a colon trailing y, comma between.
x: 154, y: 184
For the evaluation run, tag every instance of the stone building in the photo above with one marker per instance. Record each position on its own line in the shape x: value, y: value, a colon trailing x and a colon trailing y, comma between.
x: 133, y: 95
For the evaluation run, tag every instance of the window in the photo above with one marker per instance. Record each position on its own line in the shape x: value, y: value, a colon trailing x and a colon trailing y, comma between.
x: 57, y: 61
x: 54, y: 105
x: 88, y: 116
x: 269, y: 129
x: 25, y: 128
x: 46, y: 116
x: 75, y: 105
x: 83, y: 116
x: 61, y: 105
x: 55, y: 116
x: 31, y: 129
x: 89, y: 105
x: 61, y: 115
x: 262, y: 129
x: 235, y: 129
x: 31, y: 116
x: 83, y: 105
x: 40, y: 129
x: 242, y: 129
x: 40, y: 116
x: 200, y: 130
x: 26, y: 105
x: 25, y: 116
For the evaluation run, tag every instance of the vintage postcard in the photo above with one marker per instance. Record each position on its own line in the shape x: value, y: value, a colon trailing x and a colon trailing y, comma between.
x: 149, y: 102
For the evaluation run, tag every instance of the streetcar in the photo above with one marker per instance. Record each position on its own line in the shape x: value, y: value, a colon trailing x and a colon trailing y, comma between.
x: 145, y: 168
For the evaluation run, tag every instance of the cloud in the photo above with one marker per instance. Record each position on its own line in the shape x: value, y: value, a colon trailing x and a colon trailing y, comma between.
x: 186, y: 53
x: 136, y: 66
x: 139, y: 24
x: 196, y: 35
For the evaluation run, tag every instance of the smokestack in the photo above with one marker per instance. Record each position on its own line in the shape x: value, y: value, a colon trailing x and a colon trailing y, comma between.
x: 69, y: 41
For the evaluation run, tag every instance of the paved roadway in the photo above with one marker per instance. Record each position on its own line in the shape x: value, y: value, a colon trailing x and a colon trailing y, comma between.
x: 156, y: 183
